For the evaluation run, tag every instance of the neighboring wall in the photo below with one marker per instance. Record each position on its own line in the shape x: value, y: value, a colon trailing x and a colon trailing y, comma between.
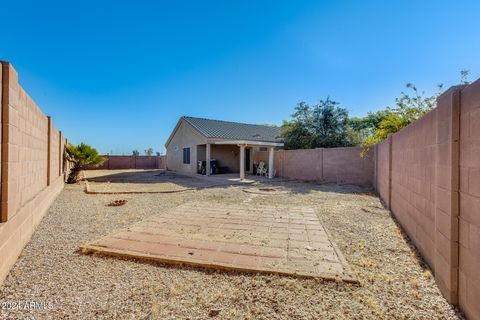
x: 130, y: 162
x: 337, y: 165
x: 428, y: 174
x: 31, y: 167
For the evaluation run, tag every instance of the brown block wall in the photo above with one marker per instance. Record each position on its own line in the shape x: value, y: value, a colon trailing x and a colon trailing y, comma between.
x: 30, y: 154
x: 336, y: 165
x: 431, y: 181
x: 382, y: 153
x: 301, y: 164
x: 345, y: 165
x: 428, y: 175
x: 130, y: 162
x: 26, y: 147
x: 54, y: 154
x: 446, y: 193
x: 162, y: 162
x: 412, y: 182
x: 469, y: 202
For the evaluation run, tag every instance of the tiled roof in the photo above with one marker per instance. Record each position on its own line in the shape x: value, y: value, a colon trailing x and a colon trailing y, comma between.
x: 234, y: 130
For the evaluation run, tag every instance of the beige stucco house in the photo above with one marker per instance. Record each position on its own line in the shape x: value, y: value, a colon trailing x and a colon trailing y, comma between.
x: 230, y: 143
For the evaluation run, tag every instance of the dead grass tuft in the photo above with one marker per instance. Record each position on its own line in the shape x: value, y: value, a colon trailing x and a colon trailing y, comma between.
x: 415, y: 283
x: 428, y: 274
x: 179, y: 288
x: 288, y: 283
x: 367, y: 263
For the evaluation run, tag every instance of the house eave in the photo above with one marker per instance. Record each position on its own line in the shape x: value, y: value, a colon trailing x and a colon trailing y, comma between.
x: 247, y: 143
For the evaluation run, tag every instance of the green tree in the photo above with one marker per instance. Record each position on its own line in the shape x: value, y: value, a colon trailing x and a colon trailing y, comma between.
x: 323, y: 125
x: 298, y: 133
x: 360, y: 128
x: 464, y: 74
x: 81, y: 155
x: 135, y: 153
x: 409, y: 107
x: 330, y: 123
x: 149, y: 152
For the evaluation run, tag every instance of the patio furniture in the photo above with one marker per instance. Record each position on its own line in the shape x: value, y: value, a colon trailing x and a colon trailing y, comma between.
x: 261, y: 169
x: 202, y: 167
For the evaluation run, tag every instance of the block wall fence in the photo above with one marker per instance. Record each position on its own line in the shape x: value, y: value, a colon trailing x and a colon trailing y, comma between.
x: 323, y: 165
x: 32, y: 167
x: 130, y: 162
x: 428, y: 175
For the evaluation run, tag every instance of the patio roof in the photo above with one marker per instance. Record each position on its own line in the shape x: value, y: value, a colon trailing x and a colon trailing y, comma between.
x: 226, y: 130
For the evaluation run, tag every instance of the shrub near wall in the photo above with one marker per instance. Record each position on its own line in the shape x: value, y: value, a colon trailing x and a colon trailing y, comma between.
x: 32, y: 171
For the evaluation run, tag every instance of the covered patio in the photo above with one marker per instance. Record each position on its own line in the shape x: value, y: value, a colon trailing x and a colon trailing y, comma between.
x: 196, y: 142
x: 245, y: 150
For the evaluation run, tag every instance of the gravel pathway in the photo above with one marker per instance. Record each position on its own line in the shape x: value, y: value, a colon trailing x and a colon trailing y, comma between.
x: 394, y: 282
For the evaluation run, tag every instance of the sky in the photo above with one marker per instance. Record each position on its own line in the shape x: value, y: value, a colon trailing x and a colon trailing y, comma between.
x: 119, y: 74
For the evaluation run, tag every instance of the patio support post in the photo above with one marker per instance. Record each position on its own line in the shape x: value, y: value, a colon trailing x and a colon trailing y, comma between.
x: 207, y: 158
x: 270, y: 162
x: 242, y: 162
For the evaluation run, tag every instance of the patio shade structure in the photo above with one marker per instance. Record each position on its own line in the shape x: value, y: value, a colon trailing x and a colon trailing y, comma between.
x: 197, y: 140
x: 243, y: 144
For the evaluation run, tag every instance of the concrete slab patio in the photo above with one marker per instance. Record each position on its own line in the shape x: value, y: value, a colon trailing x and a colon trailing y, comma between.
x: 263, y: 239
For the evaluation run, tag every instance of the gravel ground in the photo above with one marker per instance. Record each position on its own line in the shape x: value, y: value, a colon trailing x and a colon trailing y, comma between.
x: 394, y: 282
x: 137, y: 181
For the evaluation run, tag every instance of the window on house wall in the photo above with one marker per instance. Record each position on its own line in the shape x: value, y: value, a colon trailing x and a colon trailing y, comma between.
x: 186, y: 155
x: 263, y: 149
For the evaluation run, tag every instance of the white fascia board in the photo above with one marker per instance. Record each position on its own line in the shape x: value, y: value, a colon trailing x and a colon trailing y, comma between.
x: 248, y: 142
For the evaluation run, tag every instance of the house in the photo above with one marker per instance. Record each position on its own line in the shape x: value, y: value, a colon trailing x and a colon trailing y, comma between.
x: 230, y: 143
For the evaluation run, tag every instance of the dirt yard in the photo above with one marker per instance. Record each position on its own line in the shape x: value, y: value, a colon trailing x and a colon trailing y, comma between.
x: 152, y: 181
x: 394, y: 282
x: 139, y: 181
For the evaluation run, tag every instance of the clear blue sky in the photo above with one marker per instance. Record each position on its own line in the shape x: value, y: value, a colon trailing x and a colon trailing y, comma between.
x: 119, y: 74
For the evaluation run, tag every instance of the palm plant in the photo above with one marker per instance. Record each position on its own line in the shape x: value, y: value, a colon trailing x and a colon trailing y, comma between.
x: 79, y: 156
